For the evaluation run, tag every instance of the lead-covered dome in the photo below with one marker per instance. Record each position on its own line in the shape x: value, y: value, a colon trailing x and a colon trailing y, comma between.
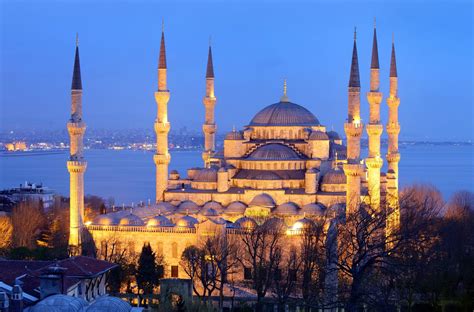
x: 263, y: 200
x: 109, y: 304
x: 60, y: 303
x: 274, y: 151
x: 159, y: 221
x: 284, y: 114
x: 132, y: 220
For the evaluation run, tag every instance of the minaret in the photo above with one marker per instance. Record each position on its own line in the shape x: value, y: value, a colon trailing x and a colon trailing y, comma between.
x: 393, y: 129
x: 76, y: 164
x: 374, y: 129
x: 162, y: 126
x: 209, y: 127
x: 353, y: 129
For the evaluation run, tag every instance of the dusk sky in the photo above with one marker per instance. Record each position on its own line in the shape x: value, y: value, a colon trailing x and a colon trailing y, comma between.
x: 255, y: 45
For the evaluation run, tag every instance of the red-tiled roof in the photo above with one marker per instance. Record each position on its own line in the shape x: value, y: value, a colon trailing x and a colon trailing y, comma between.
x: 79, y: 267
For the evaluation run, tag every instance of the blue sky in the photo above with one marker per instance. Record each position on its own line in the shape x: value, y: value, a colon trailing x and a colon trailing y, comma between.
x: 256, y: 44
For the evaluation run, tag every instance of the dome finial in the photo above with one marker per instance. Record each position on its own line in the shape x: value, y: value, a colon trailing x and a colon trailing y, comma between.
x: 77, y: 39
x: 284, y: 98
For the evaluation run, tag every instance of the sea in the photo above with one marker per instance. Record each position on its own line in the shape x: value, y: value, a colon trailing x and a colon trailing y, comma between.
x: 128, y: 176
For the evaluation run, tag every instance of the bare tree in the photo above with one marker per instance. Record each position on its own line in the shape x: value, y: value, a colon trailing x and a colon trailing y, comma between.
x: 28, y: 220
x: 201, y: 270
x: 285, y: 276
x: 261, y: 251
x: 6, y: 231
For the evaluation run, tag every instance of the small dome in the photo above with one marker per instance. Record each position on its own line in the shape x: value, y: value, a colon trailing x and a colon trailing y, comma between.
x: 246, y: 223
x: 60, y: 303
x: 284, y: 114
x: 165, y: 207
x: 159, y: 221
x: 105, y: 219
x: 234, y: 135
x: 174, y: 171
x: 318, y: 136
x: 333, y: 135
x: 186, y: 221
x: 286, y: 209
x: 188, y: 207
x: 274, y: 151
x: 274, y: 223
x: 132, y: 220
x: 206, y: 175
x: 334, y: 176
x: 263, y: 200
x: 303, y: 224
x: 236, y: 208
x: 208, y: 212
x: 109, y: 304
x: 213, y: 205
x: 313, y: 210
x: 222, y: 169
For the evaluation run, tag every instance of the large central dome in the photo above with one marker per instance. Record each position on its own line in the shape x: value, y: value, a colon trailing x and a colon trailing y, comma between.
x: 284, y: 114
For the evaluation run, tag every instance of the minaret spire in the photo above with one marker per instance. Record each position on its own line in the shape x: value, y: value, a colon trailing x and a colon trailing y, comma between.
x: 76, y: 164
x: 393, y: 62
x: 374, y: 64
x: 354, y: 79
x: 162, y: 126
x: 209, y: 101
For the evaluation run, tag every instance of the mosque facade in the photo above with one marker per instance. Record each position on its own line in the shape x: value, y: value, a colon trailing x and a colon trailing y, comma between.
x: 285, y: 165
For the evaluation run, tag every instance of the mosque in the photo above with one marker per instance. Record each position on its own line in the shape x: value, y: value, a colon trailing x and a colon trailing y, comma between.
x: 283, y: 165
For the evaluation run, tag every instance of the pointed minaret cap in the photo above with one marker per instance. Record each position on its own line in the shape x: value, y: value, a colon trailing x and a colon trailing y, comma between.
x: 210, y: 66
x: 393, y: 62
x: 162, y: 61
x: 354, y: 79
x: 284, y: 98
x: 76, y: 75
x: 375, y: 51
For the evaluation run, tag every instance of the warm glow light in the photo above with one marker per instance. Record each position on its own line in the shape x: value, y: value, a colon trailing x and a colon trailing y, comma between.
x: 88, y: 223
x: 356, y: 122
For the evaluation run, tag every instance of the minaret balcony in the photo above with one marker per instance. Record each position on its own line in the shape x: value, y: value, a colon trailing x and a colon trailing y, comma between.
x: 393, y: 101
x: 76, y: 166
x: 374, y: 162
x: 374, y: 129
x: 393, y: 128
x: 162, y: 127
x: 161, y: 159
x: 76, y: 128
x: 353, y: 129
x: 209, y: 128
x: 353, y: 170
x: 393, y: 157
x: 374, y: 98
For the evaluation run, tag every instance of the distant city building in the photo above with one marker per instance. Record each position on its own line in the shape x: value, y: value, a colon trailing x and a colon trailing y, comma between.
x: 15, y: 146
x: 30, y: 192
x: 283, y: 168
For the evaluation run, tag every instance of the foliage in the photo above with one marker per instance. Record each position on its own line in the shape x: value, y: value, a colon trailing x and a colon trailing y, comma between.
x: 147, y: 270
x: 6, y: 231
x: 28, y: 220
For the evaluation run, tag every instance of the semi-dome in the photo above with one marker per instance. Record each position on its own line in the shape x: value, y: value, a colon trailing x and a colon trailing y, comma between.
x: 334, y: 176
x: 286, y: 209
x: 159, y: 221
x: 333, y: 135
x: 267, y: 175
x: 263, y: 200
x: 186, y: 221
x: 132, y: 220
x: 313, y: 210
x: 274, y: 151
x: 234, y: 135
x: 236, y: 208
x: 60, y: 303
x: 188, y: 207
x: 206, y: 175
x: 212, y: 205
x: 284, y: 114
x: 318, y: 136
x: 105, y: 219
x: 246, y: 223
x: 109, y: 304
